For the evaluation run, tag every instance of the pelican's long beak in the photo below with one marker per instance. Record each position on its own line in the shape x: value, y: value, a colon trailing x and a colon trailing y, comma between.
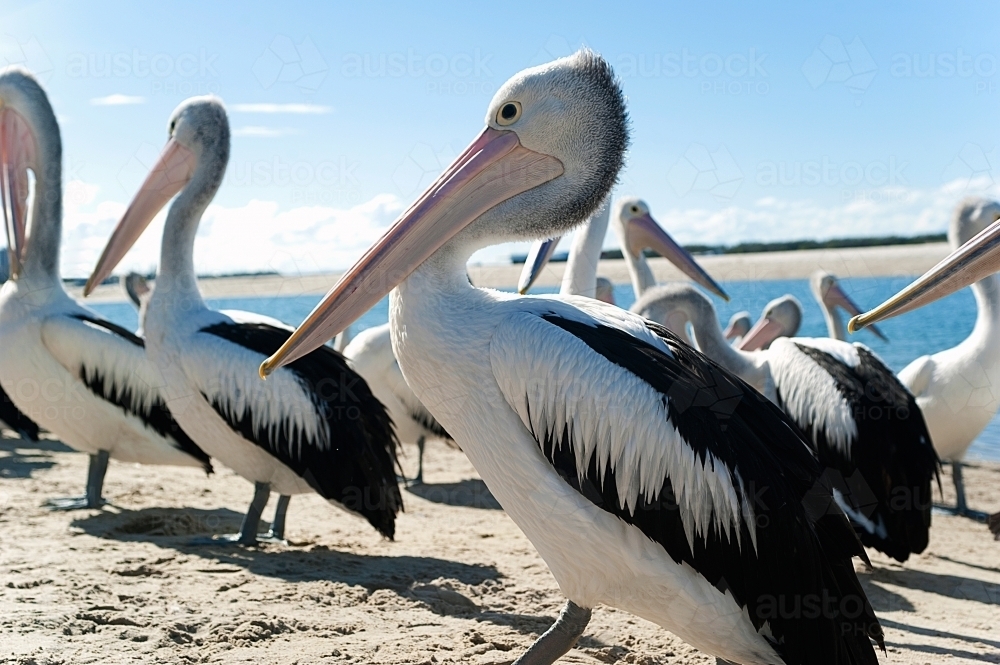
x: 643, y: 232
x: 172, y: 171
x: 494, y: 168
x: 539, y: 256
x: 765, y: 331
x: 18, y: 153
x: 966, y: 265
x: 835, y: 296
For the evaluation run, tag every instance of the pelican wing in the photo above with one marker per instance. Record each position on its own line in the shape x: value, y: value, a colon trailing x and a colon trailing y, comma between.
x: 658, y: 435
x: 868, y: 431
x: 111, y: 362
x: 917, y: 375
x: 318, y: 417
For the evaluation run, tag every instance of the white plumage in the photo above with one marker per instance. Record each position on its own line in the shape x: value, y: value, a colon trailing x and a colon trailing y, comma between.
x: 77, y: 375
x: 958, y: 389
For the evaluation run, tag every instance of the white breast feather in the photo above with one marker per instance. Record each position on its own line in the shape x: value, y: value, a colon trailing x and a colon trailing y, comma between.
x: 553, y: 380
x: 810, y: 395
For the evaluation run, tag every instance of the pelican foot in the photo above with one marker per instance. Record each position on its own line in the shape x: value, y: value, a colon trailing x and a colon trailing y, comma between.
x: 272, y: 539
x: 974, y: 515
x: 559, y: 638
x: 74, y: 503
x: 225, y: 540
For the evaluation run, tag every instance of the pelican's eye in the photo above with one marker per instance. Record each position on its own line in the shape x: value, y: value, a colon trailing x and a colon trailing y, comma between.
x: 173, y: 125
x: 509, y: 113
x: 635, y: 210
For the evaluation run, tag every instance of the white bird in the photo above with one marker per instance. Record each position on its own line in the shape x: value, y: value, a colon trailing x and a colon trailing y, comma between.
x: 958, y: 389
x: 370, y: 353
x: 863, y: 425
x: 739, y: 325
x: 77, y: 375
x: 630, y: 461
x: 831, y: 298
x: 316, y: 427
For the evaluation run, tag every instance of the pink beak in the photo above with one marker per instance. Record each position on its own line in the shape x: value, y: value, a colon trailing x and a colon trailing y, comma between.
x: 18, y: 152
x: 836, y: 297
x: 494, y: 168
x: 538, y: 257
x: 760, y: 336
x: 643, y: 232
x: 172, y: 171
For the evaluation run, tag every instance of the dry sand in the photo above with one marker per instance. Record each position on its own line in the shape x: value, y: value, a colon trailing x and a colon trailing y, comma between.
x: 459, y: 585
x: 891, y: 261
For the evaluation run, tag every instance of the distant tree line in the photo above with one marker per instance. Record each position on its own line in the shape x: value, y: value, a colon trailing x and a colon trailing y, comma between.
x: 782, y: 246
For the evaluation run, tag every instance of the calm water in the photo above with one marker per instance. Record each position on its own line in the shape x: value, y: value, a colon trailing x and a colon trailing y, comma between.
x: 938, y: 326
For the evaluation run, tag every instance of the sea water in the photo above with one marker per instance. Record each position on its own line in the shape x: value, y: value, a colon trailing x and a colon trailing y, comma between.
x: 933, y: 328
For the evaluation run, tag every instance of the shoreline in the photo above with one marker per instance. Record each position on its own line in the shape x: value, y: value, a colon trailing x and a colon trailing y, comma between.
x: 886, y: 261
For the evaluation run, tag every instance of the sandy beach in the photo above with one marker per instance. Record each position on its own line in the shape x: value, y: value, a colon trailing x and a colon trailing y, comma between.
x: 889, y: 261
x: 460, y: 584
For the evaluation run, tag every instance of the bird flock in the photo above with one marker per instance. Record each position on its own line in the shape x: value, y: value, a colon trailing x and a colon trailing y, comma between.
x: 697, y: 477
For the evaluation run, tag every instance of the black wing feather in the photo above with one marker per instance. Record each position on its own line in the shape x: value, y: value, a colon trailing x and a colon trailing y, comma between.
x: 800, y: 580
x: 15, y: 419
x: 892, y: 453
x: 157, y: 417
x: 359, y: 469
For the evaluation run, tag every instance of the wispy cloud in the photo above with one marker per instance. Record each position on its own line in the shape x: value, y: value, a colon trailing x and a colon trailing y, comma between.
x: 262, y: 132
x: 299, y: 109
x: 117, y: 100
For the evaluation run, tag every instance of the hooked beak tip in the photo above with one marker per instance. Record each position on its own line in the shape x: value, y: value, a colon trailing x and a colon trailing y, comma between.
x: 855, y: 324
x: 266, y: 368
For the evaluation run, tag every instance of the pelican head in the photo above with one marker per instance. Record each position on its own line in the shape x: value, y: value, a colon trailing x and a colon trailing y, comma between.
x: 605, y: 290
x: 29, y: 141
x: 826, y: 289
x: 553, y: 144
x: 971, y: 216
x: 781, y: 318
x: 974, y: 235
x: 676, y: 304
x: 739, y: 325
x: 197, y: 149
x: 136, y: 288
x: 638, y: 231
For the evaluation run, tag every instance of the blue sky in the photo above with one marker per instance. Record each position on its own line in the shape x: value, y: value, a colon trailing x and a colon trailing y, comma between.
x: 792, y: 120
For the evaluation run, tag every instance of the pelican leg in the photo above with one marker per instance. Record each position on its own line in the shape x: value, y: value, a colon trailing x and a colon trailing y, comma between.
x: 419, y: 478
x: 559, y: 638
x: 277, y: 532
x: 961, y: 506
x: 96, y: 470
x: 251, y: 522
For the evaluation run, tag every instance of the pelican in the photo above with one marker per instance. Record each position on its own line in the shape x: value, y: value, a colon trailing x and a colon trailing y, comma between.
x: 739, y: 325
x: 831, y: 298
x: 74, y: 373
x: 863, y: 426
x: 316, y: 427
x: 135, y: 287
x: 782, y: 317
x: 958, y: 389
x: 370, y: 353
x: 628, y: 460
